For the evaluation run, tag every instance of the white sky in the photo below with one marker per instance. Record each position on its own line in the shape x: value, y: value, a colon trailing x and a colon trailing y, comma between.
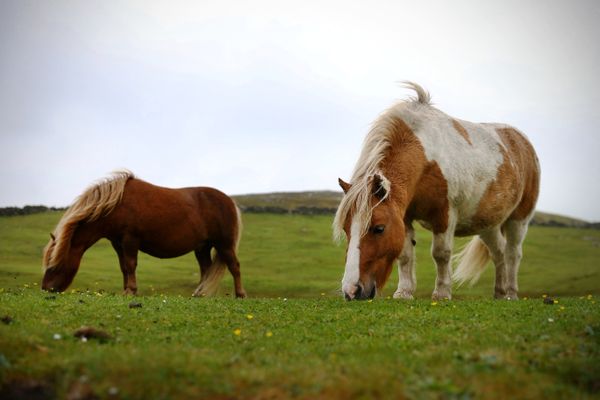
x: 264, y: 96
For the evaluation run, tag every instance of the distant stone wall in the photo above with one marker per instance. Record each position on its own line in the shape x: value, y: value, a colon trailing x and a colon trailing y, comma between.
x: 27, y: 210
x: 302, y: 210
x: 551, y: 223
x: 299, y: 210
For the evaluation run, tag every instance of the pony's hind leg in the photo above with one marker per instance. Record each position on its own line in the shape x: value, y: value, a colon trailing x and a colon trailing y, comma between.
x: 496, y: 244
x: 407, y: 281
x: 127, y: 252
x: 229, y: 257
x: 515, y: 234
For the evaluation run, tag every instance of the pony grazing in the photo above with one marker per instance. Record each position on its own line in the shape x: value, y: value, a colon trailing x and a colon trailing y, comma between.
x: 456, y: 178
x: 137, y: 216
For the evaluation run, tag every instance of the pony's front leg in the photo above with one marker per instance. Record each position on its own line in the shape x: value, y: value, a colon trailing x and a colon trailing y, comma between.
x: 130, y: 282
x: 407, y: 279
x: 128, y: 262
x: 441, y: 250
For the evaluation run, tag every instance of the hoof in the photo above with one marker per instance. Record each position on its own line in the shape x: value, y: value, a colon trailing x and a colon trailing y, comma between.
x: 436, y: 296
x: 241, y: 295
x: 506, y: 296
x: 403, y: 295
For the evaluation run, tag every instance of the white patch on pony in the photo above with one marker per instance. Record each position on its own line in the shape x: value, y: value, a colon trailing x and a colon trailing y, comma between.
x: 467, y: 168
x: 352, y: 271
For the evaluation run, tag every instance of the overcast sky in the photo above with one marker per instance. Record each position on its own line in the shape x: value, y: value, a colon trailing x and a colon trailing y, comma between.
x: 260, y: 96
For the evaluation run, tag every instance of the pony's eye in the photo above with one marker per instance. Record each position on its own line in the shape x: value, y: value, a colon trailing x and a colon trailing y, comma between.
x: 378, y: 229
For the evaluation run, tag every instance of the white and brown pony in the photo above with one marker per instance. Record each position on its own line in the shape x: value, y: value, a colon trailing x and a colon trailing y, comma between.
x: 137, y: 216
x: 456, y: 178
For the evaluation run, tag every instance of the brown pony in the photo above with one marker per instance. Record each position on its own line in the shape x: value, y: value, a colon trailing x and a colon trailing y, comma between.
x: 137, y: 216
x: 455, y: 178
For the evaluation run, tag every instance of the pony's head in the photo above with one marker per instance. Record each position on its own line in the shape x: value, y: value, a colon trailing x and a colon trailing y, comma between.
x: 58, y: 273
x: 375, y: 234
x: 61, y: 257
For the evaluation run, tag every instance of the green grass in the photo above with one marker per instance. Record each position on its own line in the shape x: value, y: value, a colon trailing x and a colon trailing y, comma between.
x: 294, y: 256
x: 179, y: 347
x: 302, y: 341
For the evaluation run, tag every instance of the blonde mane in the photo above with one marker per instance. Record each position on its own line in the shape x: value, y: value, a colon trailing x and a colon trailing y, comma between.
x: 97, y: 201
x: 376, y: 143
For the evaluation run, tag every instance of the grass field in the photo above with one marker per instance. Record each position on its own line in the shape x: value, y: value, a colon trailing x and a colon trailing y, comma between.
x: 294, y: 337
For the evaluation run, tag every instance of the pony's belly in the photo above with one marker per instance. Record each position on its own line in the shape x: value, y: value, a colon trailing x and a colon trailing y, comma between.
x: 470, y: 226
x: 466, y: 230
x: 166, y: 251
x: 425, y: 225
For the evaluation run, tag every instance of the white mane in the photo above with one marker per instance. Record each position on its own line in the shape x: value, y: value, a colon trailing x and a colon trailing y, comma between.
x: 375, y: 145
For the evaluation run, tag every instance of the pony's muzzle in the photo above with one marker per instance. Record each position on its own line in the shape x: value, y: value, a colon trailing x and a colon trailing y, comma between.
x: 361, y: 292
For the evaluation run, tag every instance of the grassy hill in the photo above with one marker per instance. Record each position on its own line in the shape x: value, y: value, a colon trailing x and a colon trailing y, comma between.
x: 313, y: 203
x: 293, y: 255
x: 326, y: 202
x: 294, y: 337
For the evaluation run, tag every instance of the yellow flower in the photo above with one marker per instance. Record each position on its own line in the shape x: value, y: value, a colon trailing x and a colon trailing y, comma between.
x: 322, y: 294
x: 434, y: 303
x: 555, y: 301
x: 269, y: 334
x: 589, y: 296
x: 237, y: 332
x: 249, y: 316
x: 370, y: 301
x: 544, y: 296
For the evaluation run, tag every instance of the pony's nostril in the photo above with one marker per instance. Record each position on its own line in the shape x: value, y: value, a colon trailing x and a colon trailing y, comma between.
x: 347, y: 296
x: 373, y: 292
x: 359, y: 291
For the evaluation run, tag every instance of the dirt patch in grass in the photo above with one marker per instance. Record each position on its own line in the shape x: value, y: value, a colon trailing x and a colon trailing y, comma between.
x: 27, y: 389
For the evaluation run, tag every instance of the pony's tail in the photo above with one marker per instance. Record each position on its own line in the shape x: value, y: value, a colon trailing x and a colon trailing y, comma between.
x: 240, y: 228
x: 471, y: 260
x: 212, y: 277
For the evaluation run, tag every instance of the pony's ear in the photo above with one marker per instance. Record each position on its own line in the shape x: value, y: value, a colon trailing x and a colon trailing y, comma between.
x: 53, y: 237
x: 344, y: 185
x: 380, y: 186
